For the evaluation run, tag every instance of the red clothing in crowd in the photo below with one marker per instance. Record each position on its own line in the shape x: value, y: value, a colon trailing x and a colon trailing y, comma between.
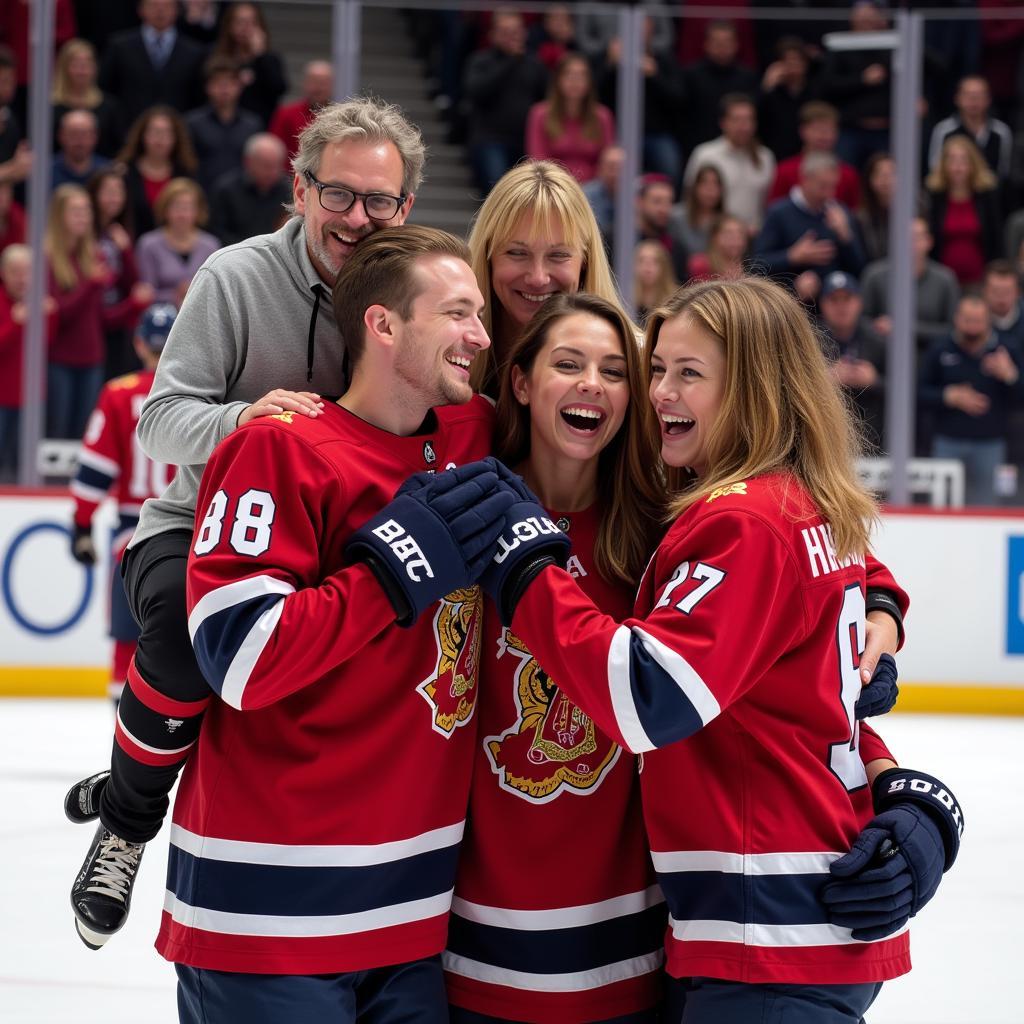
x: 961, y: 246
x: 289, y: 119
x: 14, y: 230
x: 787, y: 174
x: 14, y: 26
x: 12, y: 342
x: 572, y: 149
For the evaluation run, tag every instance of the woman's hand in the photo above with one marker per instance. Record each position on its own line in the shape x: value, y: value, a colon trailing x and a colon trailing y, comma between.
x: 880, y: 637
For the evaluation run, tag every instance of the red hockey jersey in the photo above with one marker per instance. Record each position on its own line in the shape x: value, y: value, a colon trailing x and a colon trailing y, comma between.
x: 736, y: 679
x: 318, y: 820
x: 557, y: 915
x: 111, y: 453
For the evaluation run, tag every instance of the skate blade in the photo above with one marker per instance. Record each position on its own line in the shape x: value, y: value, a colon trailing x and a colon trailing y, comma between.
x: 94, y: 940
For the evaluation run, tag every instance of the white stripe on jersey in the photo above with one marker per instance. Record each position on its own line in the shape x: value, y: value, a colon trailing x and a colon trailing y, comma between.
x: 737, y: 863
x: 87, y: 493
x: 579, y: 981
x: 771, y: 935
x: 271, y: 926
x: 561, y: 917
x: 319, y: 856
x: 146, y: 746
x: 235, y: 593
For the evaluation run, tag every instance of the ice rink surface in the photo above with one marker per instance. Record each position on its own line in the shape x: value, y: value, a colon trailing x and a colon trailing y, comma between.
x: 963, y: 943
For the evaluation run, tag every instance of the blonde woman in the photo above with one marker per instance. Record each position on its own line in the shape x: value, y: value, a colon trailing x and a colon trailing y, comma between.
x: 75, y: 88
x: 653, y: 278
x: 169, y: 256
x: 77, y: 280
x: 570, y: 126
x: 535, y: 236
x: 738, y: 674
x: 963, y: 210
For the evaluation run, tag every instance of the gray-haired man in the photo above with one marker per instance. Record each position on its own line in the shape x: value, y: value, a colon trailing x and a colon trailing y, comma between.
x: 238, y: 350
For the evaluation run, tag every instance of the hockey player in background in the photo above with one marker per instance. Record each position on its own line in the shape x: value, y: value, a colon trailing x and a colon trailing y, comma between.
x: 111, y: 455
x: 317, y: 823
x: 737, y: 677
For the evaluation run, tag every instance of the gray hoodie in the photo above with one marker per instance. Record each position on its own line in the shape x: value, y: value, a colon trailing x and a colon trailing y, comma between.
x: 242, y: 331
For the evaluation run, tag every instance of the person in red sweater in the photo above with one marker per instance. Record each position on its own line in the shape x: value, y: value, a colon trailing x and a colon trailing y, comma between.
x: 290, y: 118
x: 15, y: 265
x: 819, y: 130
x: 78, y: 277
x: 12, y: 217
x: 570, y: 126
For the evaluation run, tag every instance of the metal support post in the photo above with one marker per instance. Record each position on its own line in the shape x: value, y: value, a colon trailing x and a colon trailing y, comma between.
x: 346, y: 33
x: 629, y: 116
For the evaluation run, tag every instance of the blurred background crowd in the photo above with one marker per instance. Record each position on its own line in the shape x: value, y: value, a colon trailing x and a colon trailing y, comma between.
x: 763, y: 151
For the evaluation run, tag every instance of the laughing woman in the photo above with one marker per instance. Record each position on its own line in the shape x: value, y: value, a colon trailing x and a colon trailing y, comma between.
x: 557, y: 916
x: 737, y: 674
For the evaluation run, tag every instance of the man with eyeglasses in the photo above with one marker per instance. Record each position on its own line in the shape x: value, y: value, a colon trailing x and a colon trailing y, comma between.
x: 238, y: 350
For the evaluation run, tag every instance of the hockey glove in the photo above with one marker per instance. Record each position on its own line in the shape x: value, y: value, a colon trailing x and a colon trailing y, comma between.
x: 529, y: 542
x: 879, y: 696
x: 897, y: 862
x: 82, y: 548
x: 433, y: 537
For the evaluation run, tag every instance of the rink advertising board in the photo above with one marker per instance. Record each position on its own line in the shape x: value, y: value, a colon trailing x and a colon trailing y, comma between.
x: 964, y: 573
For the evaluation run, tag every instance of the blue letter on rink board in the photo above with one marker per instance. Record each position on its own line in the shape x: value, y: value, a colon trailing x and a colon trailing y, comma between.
x: 1015, y: 597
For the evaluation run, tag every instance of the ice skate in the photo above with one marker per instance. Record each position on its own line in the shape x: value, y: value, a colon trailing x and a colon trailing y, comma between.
x: 102, y: 893
x: 82, y: 803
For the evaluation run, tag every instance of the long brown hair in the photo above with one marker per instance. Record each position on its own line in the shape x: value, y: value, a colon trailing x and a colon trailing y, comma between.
x: 630, y: 490
x: 549, y: 193
x: 183, y: 156
x: 781, y: 411
x: 225, y: 46
x: 62, y: 258
x: 556, y: 114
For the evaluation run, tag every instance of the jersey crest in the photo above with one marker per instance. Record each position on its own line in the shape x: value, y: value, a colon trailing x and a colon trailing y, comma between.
x: 721, y: 492
x: 451, y: 688
x: 553, y: 746
x: 285, y: 417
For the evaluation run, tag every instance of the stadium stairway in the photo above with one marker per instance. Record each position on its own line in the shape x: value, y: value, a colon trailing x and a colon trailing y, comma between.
x: 389, y: 69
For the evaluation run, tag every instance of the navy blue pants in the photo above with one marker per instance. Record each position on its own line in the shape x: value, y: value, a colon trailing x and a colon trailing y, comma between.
x: 410, y: 993
x: 712, y: 1001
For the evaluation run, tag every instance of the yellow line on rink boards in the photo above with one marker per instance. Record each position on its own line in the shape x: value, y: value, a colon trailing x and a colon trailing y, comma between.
x: 53, y: 681
x: 950, y: 699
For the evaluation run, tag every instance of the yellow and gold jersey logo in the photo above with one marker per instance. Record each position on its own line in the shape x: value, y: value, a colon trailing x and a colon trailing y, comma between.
x: 553, y: 746
x: 721, y: 492
x: 451, y: 688
x: 285, y: 417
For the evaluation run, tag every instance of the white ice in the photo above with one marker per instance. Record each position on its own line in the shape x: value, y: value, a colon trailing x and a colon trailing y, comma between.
x: 963, y: 943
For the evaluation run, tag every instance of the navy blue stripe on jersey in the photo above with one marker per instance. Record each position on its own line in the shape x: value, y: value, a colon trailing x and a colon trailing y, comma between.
x: 91, y: 483
x: 657, y: 696
x: 285, y: 891
x: 559, y: 950
x: 230, y: 627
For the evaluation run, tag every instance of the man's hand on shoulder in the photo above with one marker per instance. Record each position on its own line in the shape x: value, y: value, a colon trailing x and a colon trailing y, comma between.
x: 277, y: 401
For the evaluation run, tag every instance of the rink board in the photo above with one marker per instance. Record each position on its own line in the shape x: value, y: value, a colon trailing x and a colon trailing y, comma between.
x: 964, y: 572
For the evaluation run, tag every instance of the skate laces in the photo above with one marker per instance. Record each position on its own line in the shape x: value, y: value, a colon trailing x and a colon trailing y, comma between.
x: 115, y: 867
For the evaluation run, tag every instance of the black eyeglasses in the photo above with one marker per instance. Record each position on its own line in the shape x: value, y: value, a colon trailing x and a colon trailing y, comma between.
x: 378, y: 205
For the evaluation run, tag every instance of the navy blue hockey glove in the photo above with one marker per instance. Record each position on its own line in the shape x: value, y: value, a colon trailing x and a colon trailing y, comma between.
x: 897, y: 862
x: 879, y: 696
x: 529, y: 542
x: 434, y: 537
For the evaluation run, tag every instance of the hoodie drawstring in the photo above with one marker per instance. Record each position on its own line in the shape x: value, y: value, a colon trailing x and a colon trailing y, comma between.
x: 311, y: 340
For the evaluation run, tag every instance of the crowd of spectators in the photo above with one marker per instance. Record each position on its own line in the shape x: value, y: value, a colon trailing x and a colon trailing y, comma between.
x: 762, y: 151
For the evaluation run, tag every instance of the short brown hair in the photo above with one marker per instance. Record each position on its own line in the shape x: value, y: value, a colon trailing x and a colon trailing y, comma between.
x: 175, y: 189
x: 381, y: 272
x: 816, y: 110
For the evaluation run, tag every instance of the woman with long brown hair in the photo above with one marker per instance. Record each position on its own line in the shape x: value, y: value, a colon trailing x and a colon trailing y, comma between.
x: 739, y: 673
x: 156, y: 150
x: 245, y: 40
x: 653, y: 277
x: 570, y: 126
x: 549, y: 788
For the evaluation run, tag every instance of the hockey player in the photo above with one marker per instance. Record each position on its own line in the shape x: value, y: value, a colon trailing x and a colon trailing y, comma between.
x: 317, y: 824
x: 240, y: 350
x: 111, y: 454
x: 557, y: 915
x: 737, y: 676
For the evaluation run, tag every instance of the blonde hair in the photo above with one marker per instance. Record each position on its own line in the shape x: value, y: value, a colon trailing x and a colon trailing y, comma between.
x: 666, y: 283
x: 781, y: 410
x: 982, y: 178
x: 548, y: 193
x: 630, y: 488
x: 175, y: 189
x: 62, y: 259
x: 61, y: 94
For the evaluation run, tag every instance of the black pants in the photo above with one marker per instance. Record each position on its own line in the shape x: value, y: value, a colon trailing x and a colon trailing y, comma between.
x: 165, y: 694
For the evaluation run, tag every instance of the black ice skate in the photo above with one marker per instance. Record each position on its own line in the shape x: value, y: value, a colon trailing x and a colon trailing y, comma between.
x: 102, y: 893
x: 82, y: 803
